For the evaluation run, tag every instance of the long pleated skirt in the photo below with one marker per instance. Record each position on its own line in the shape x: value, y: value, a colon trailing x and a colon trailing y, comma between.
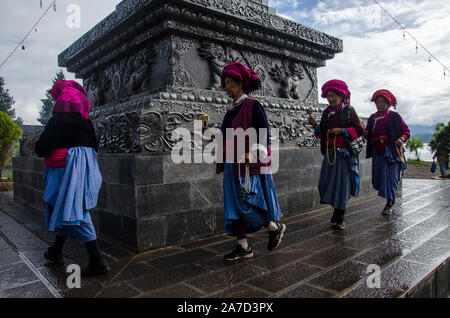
x: 71, y: 192
x: 340, y: 180
x: 252, y: 209
x: 386, y: 173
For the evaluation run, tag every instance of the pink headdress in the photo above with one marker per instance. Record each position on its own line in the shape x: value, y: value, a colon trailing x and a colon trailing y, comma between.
x: 238, y: 71
x: 70, y: 97
x: 339, y: 87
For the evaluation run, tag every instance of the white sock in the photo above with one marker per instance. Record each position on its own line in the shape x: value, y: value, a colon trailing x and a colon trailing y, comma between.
x: 243, y: 243
x: 273, y: 226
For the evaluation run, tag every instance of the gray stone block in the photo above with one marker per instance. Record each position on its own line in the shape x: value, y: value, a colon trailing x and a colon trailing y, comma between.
x: 143, y: 209
x: 187, y: 172
x: 126, y: 171
x: 169, y: 197
x: 199, y: 224
x: 110, y: 226
x: 292, y: 159
x: 38, y: 164
x: 297, y: 203
x: 211, y: 190
x: 109, y: 168
x: 18, y: 176
x: 27, y: 178
x: 121, y: 200
x: 175, y: 228
x: 17, y: 163
x: 148, y: 170
x: 219, y: 216
x: 35, y: 180
x: 103, y: 198
x: 151, y: 233
x: 130, y: 238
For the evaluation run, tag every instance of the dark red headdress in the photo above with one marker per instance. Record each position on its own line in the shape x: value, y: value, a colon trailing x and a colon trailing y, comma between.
x: 392, y: 101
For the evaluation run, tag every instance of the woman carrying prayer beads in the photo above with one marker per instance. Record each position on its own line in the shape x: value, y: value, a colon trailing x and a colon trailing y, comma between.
x: 250, y: 200
x: 339, y: 126
x: 386, y: 133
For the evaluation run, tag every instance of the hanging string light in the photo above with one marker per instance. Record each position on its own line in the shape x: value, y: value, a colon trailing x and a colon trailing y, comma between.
x: 417, y: 42
x: 21, y: 43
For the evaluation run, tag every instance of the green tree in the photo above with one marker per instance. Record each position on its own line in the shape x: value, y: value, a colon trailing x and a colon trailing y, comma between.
x: 441, y: 139
x: 47, y: 104
x: 414, y: 145
x: 10, y: 133
x: 6, y: 103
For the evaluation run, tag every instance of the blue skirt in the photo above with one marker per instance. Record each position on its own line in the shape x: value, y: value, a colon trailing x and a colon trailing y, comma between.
x: 386, y: 173
x: 71, y: 192
x: 255, y: 208
x: 339, y: 181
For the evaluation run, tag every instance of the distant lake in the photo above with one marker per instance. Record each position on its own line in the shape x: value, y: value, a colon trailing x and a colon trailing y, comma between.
x: 425, y: 154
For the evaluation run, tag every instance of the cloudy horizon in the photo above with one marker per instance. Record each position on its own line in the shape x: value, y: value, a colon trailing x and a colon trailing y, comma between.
x: 375, y: 54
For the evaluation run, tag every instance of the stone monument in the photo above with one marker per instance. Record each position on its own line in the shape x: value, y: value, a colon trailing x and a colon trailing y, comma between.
x: 153, y: 66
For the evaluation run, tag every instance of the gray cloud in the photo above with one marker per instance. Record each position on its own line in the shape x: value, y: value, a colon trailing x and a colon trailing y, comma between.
x: 375, y: 54
x: 28, y: 74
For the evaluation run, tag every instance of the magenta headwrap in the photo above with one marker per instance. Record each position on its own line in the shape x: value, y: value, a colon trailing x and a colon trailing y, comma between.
x: 238, y: 71
x: 392, y: 101
x: 339, y: 87
x: 70, y: 97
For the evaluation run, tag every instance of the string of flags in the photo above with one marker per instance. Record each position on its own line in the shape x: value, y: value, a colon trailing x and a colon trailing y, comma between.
x: 405, y: 32
x: 35, y: 29
x: 22, y: 43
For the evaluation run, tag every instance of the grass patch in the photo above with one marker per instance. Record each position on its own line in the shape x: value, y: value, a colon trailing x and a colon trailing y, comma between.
x: 7, y: 173
x: 419, y: 163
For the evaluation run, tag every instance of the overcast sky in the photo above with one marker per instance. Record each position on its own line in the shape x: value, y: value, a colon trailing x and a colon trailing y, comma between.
x: 375, y: 54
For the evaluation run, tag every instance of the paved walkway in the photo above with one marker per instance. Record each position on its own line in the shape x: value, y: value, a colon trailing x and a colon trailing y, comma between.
x: 313, y: 260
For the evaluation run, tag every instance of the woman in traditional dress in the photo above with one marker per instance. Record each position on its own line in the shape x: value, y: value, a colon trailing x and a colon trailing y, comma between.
x: 339, y: 175
x: 72, y: 176
x: 250, y: 200
x: 386, y: 133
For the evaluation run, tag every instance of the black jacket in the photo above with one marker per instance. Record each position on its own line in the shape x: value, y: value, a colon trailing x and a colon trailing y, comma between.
x: 66, y: 130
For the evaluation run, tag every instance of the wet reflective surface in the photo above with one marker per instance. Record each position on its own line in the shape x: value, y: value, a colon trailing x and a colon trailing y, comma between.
x: 313, y: 261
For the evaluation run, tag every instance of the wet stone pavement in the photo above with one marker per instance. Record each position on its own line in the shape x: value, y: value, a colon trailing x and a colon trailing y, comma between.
x: 314, y: 260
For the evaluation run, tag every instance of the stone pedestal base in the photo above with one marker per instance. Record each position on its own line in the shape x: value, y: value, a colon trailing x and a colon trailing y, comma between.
x: 148, y: 202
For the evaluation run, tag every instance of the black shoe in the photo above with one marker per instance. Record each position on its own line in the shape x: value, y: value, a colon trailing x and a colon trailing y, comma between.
x: 97, y: 264
x: 334, y: 218
x: 388, y: 208
x: 54, y: 258
x: 276, y: 236
x: 238, y: 253
x: 340, y: 225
